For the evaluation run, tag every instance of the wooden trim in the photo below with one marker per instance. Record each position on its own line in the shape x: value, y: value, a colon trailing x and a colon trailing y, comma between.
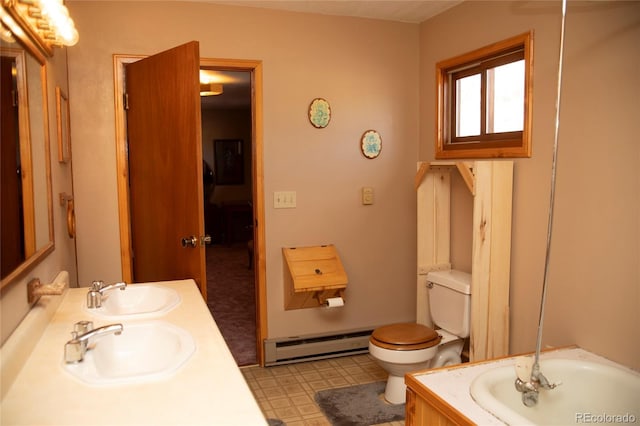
x: 122, y: 162
x: 255, y: 67
x: 258, y: 213
x: 467, y: 175
x: 26, y: 160
x: 34, y: 255
x: 424, y: 407
x: 501, y: 148
x: 47, y: 155
x: 491, y: 260
x: 491, y: 185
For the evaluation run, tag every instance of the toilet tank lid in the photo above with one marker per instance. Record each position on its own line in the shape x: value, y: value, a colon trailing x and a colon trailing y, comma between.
x: 455, y: 280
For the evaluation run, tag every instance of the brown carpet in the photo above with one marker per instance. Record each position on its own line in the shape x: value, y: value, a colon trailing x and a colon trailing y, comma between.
x: 231, y: 299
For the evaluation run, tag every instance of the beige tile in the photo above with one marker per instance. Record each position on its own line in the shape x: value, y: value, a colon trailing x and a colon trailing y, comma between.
x: 308, y: 409
x: 275, y: 393
x: 287, y: 380
x: 301, y: 400
x: 319, y: 421
x: 319, y: 385
x: 312, y: 375
x: 333, y: 372
x: 293, y: 389
x: 287, y: 392
x: 338, y: 382
x: 267, y: 383
x: 259, y: 373
x: 286, y: 413
x: 280, y: 403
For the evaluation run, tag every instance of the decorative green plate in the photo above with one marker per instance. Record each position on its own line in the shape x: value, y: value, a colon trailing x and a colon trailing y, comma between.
x: 319, y: 113
x: 371, y: 144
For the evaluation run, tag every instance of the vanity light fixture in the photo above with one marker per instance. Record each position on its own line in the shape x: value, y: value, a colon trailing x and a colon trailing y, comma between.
x: 6, y: 35
x: 210, y: 89
x: 46, y: 22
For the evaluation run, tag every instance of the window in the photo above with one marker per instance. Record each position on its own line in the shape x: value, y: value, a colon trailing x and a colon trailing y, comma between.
x: 484, y: 101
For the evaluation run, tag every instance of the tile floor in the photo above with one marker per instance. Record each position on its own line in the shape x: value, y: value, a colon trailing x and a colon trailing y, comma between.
x: 287, y: 392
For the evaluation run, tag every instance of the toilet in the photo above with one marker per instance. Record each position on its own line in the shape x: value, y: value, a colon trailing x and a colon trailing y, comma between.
x: 401, y: 348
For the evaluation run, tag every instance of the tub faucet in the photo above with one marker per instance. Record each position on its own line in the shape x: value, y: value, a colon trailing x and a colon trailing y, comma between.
x: 75, y: 348
x: 529, y: 380
x: 98, y: 288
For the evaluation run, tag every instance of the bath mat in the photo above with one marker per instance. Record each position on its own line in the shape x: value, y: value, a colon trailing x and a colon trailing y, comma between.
x: 361, y: 405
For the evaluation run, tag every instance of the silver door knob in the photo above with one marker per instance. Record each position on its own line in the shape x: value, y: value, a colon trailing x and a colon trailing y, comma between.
x: 191, y: 241
x: 205, y: 239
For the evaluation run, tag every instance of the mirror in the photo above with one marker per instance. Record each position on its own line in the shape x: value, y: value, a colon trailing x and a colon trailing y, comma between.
x: 27, y: 206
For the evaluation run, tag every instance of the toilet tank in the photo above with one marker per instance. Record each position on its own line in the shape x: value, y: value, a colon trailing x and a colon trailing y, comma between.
x: 450, y: 300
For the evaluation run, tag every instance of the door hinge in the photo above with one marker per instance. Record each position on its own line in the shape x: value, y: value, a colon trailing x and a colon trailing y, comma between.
x: 14, y: 98
x: 125, y: 101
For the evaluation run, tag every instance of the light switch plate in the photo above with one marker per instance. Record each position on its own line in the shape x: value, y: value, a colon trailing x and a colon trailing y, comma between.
x: 284, y: 200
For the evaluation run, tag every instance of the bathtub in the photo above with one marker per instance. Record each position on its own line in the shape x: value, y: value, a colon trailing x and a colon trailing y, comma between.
x: 589, y: 392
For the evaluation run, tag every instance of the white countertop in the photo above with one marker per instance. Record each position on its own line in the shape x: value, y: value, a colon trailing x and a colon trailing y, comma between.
x: 208, y: 390
x: 452, y: 384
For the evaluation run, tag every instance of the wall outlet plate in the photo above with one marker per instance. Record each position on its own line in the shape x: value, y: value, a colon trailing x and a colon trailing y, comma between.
x: 367, y: 195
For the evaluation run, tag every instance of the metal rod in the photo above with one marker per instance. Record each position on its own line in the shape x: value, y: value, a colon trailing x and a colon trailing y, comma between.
x: 536, y: 366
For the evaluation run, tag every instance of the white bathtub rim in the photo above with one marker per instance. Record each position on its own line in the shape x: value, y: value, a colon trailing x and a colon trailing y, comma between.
x: 502, y: 411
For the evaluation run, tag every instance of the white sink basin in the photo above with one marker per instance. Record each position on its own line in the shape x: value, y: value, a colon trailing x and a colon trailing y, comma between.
x: 136, y: 301
x: 144, y: 351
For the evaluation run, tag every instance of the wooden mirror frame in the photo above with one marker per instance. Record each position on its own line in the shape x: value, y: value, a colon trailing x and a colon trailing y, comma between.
x: 23, y: 37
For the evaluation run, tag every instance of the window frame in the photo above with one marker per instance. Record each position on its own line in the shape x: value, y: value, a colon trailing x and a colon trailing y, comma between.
x: 492, y: 145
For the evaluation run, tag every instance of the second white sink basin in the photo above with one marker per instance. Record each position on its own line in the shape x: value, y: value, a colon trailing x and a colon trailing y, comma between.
x: 137, y: 301
x: 144, y: 351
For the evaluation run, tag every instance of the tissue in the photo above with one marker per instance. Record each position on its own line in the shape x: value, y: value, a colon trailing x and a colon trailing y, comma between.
x: 334, y: 302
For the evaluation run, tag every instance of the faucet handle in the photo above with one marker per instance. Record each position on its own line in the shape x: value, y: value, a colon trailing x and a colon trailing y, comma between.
x: 73, y: 351
x: 82, y: 327
x: 97, y: 285
x: 94, y: 299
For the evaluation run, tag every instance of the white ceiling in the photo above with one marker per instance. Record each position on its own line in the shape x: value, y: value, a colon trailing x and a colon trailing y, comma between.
x: 413, y: 11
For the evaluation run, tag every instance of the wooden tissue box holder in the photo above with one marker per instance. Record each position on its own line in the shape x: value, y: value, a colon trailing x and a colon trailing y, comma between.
x: 312, y: 275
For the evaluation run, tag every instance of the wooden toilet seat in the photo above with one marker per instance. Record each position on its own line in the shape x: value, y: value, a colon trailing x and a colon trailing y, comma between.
x: 405, y: 337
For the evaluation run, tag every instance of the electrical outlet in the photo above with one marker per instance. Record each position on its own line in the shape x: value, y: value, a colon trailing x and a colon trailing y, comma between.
x: 284, y: 200
x: 367, y: 196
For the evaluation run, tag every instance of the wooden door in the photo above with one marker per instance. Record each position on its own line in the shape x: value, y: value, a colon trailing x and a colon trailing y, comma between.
x: 165, y: 166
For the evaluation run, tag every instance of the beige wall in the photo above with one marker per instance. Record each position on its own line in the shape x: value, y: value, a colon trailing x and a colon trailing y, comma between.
x: 594, y: 278
x: 367, y: 69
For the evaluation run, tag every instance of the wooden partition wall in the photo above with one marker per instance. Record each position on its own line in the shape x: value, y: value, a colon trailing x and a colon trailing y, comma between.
x: 491, y: 185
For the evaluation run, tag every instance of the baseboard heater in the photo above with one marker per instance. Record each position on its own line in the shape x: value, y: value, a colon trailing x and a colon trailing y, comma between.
x: 289, y: 350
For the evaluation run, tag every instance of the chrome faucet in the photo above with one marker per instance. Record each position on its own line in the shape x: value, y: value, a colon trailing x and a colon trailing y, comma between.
x: 529, y: 384
x: 75, y: 349
x: 98, y: 288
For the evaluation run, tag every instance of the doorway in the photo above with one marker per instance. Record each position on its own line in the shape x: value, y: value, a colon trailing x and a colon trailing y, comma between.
x: 254, y: 68
x: 228, y: 206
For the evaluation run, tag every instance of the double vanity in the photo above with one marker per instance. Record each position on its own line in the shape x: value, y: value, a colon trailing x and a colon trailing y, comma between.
x: 166, y: 364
